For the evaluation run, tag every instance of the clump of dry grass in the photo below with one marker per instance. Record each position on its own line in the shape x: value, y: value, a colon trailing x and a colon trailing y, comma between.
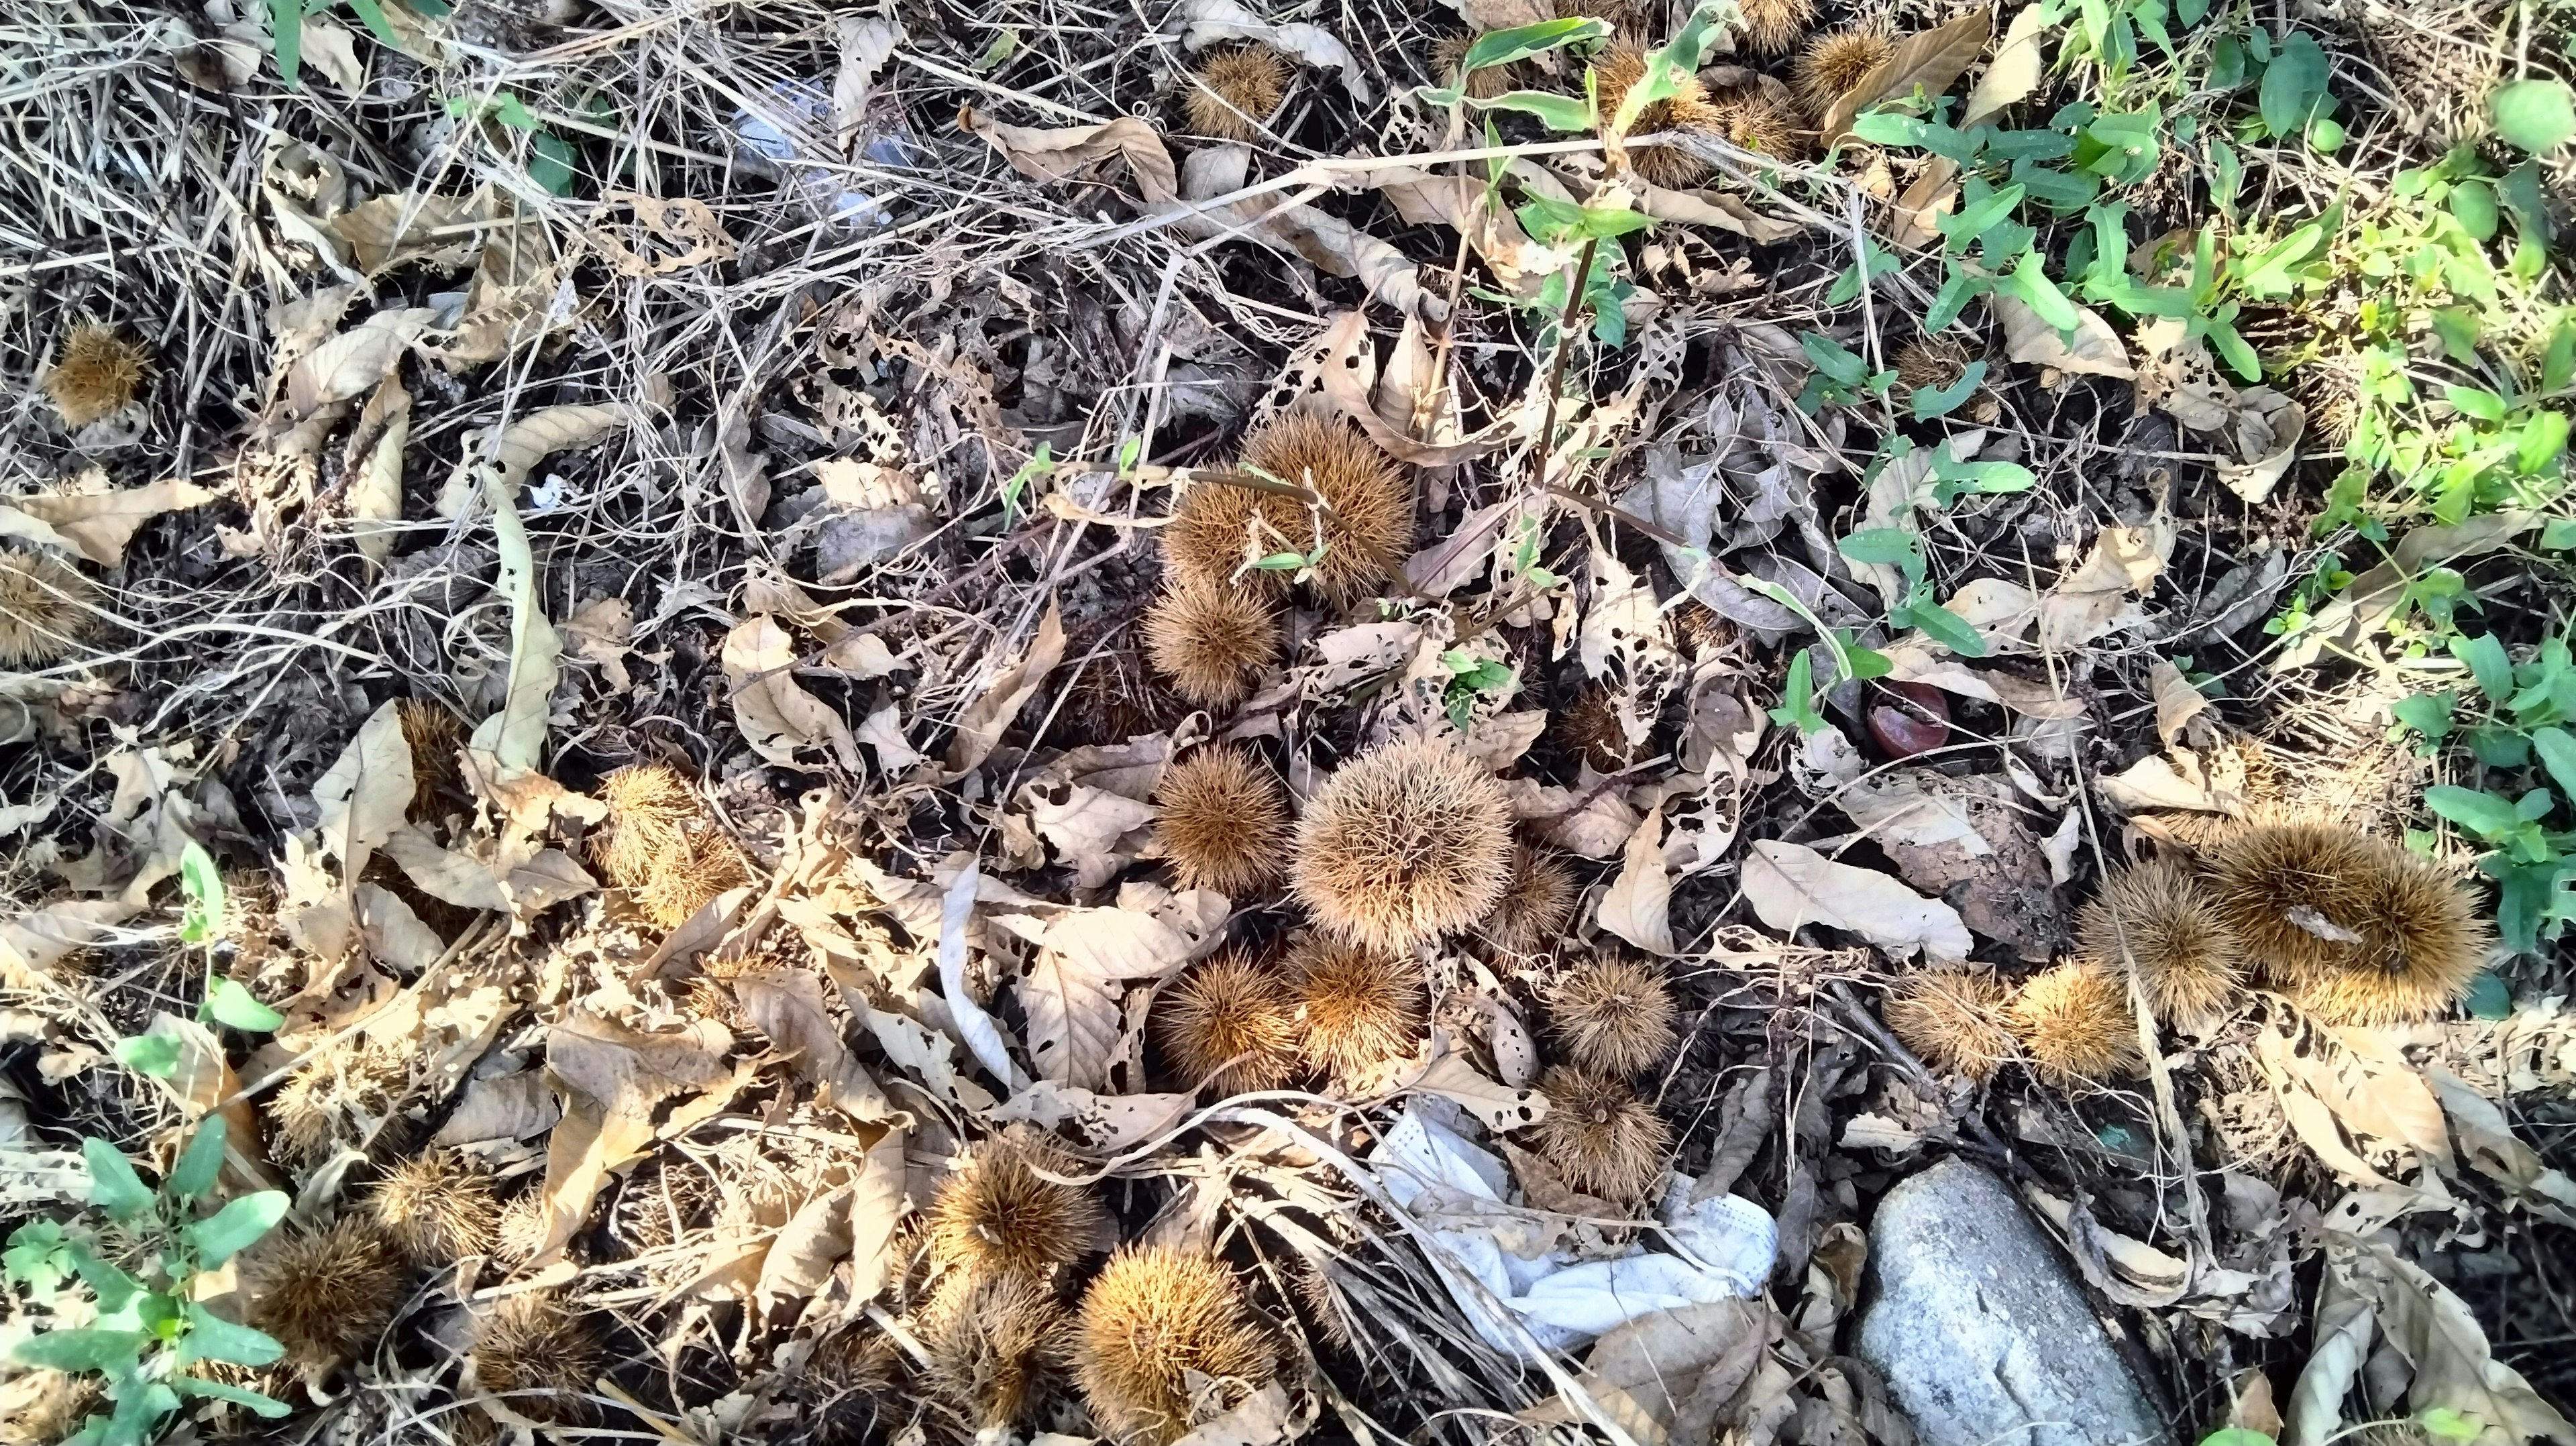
x: 1218, y: 528
x: 1622, y: 64
x: 991, y: 1342
x: 540, y: 1355
x: 98, y: 374
x: 1832, y: 63
x: 1931, y: 363
x: 1224, y: 821
x: 2354, y: 929
x: 2074, y: 1025
x: 438, y: 1207
x: 1153, y: 1317
x: 1234, y: 90
x: 1360, y: 1008
x: 1229, y: 1024
x: 2157, y: 917
x: 1537, y: 902
x: 45, y: 608
x: 662, y: 845
x: 432, y: 733
x: 1211, y: 639
x: 325, y: 1295
x: 1404, y: 845
x: 1600, y: 1135
x: 1953, y: 1020
x: 998, y: 1216
x: 1614, y: 1016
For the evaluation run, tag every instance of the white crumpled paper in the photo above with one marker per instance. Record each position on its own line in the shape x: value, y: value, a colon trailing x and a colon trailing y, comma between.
x: 1718, y: 1249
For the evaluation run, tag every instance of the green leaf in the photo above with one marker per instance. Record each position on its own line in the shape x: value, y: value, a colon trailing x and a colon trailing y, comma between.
x: 200, y: 1162
x: 78, y: 1350
x: 513, y: 112
x: 2236, y: 1436
x: 154, y: 1054
x: 1502, y: 47
x: 2489, y: 998
x: 1973, y: 222
x: 2557, y: 750
x: 1556, y: 112
x: 2030, y: 282
x: 2444, y: 1424
x: 1893, y: 546
x: 550, y: 159
x: 1798, y: 697
x: 2239, y: 353
x: 2483, y: 814
x: 2293, y: 84
x: 1863, y: 663
x: 2427, y: 713
x: 1281, y: 562
x: 1960, y: 288
x: 113, y: 1185
x: 1039, y: 463
x: 1833, y: 358
x: 2486, y: 661
x: 2544, y: 437
x: 286, y: 33
x: 1948, y: 629
x: 2459, y: 328
x: 2535, y: 115
x: 202, y: 887
x: 2477, y: 402
x: 210, y: 1337
x: 219, y: 1237
x: 1888, y: 128
x: 2474, y: 204
x: 227, y: 1002
x: 1668, y: 64
x: 1931, y: 402
x: 266, y: 1406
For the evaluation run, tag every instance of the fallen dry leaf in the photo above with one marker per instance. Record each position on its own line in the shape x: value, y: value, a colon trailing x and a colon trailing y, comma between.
x: 1791, y: 886
x: 1930, y: 59
x: 1636, y: 906
x: 778, y: 718
x: 2095, y: 348
x: 983, y: 723
x: 1062, y: 153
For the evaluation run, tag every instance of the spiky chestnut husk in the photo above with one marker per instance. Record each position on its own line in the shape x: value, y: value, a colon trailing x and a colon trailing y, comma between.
x: 656, y: 1204
x: 1234, y: 90
x: 996, y: 1215
x: 1614, y: 1016
x: 326, y: 1295
x: 45, y: 608
x: 2074, y: 1024
x: 1229, y: 1024
x: 1152, y: 1317
x: 98, y: 374
x: 1627, y: 17
x: 1537, y: 902
x: 2285, y: 887
x: 1224, y: 821
x: 1621, y: 65
x: 1833, y: 63
x: 1211, y: 640
x: 323, y: 1104
x: 44, y: 1407
x: 540, y: 1355
x: 1953, y: 1020
x: 1600, y: 1135
x: 1772, y: 26
x: 661, y: 845
x: 1483, y: 83
x: 991, y: 1340
x: 1358, y: 1008
x: 438, y: 1207
x: 1218, y: 528
x: 1589, y: 729
x: 1758, y: 123
x: 1404, y: 845
x: 1931, y: 364
x: 433, y: 734
x: 2158, y: 917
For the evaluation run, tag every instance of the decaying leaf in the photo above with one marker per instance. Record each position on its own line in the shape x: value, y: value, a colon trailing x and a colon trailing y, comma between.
x: 521, y: 446
x: 787, y: 1005
x: 350, y: 364
x: 1500, y: 1107
x: 981, y: 728
x: 1929, y: 59
x: 1060, y: 154
x: 100, y: 523
x: 1637, y: 905
x: 1791, y: 886
x: 366, y: 794
x: 778, y: 718
x: 2095, y: 348
x: 2091, y: 600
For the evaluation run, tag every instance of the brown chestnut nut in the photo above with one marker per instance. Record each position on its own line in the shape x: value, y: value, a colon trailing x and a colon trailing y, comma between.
x: 1915, y: 719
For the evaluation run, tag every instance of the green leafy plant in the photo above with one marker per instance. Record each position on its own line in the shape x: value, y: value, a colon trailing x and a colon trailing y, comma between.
x: 550, y: 156
x: 114, y: 1294
x: 1470, y: 677
x: 286, y: 28
x: 2514, y: 724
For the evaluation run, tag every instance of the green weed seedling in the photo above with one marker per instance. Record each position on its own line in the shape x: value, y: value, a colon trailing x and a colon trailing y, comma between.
x: 286, y: 28
x: 2515, y: 725
x: 114, y: 1290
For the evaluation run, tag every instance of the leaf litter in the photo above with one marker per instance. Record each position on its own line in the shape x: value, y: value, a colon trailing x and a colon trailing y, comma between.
x: 627, y: 555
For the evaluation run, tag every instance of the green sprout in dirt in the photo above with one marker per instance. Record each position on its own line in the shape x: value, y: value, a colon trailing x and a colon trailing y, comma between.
x: 114, y: 1292
x: 2514, y: 725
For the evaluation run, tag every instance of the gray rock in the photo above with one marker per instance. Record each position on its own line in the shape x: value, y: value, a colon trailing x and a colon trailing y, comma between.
x: 1978, y: 1331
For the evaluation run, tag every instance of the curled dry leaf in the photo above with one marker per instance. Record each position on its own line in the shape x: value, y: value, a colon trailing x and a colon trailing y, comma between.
x: 983, y: 723
x: 675, y: 235
x: 778, y: 718
x: 350, y: 364
x: 2090, y: 601
x: 1930, y: 59
x: 1791, y: 886
x: 1212, y: 21
x: 2014, y: 72
x: 787, y: 1005
x: 99, y: 524
x: 1497, y: 1106
x: 1062, y: 153
x: 366, y: 793
x: 2094, y: 349
x: 1637, y: 905
x: 520, y: 446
